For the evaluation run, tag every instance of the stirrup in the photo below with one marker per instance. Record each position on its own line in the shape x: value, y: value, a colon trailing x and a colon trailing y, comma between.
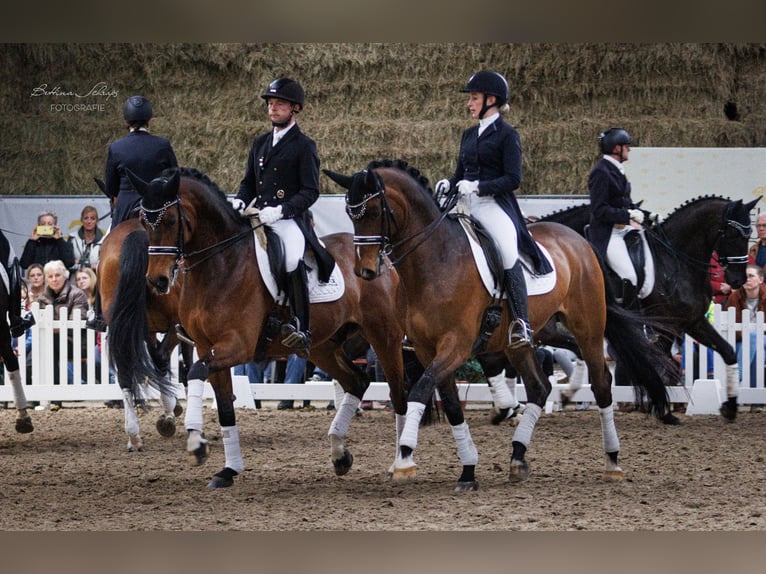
x: 519, y: 334
x: 298, y: 341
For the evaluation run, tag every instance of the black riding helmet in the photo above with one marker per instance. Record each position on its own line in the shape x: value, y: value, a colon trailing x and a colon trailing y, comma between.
x: 489, y: 83
x: 137, y: 109
x: 612, y: 137
x: 285, y: 89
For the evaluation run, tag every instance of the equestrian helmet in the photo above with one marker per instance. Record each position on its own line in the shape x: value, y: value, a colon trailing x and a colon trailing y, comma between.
x: 137, y: 109
x: 285, y: 89
x: 612, y: 137
x: 490, y: 83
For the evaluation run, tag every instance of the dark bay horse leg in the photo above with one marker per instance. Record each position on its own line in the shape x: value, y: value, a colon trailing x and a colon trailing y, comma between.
x: 11, y: 363
x: 466, y: 449
x: 706, y: 334
x: 537, y: 386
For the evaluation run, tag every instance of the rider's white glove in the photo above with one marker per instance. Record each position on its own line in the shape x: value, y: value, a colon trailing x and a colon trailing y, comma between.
x: 655, y: 218
x: 636, y: 215
x: 237, y: 204
x: 466, y: 187
x: 269, y: 215
x: 442, y: 186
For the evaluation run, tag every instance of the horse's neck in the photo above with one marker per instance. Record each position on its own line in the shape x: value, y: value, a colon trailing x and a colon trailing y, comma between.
x: 695, y: 235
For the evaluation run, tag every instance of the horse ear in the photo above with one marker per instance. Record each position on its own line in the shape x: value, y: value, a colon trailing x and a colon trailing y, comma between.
x: 342, y: 180
x: 751, y: 205
x: 138, y: 184
x: 173, y: 183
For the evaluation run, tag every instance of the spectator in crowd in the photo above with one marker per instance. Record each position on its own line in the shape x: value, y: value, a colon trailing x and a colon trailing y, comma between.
x: 758, y: 249
x: 86, y: 242
x: 85, y: 280
x: 748, y: 300
x: 46, y: 243
x: 721, y: 289
x: 141, y: 152
x: 295, y: 374
x: 61, y: 294
x: 35, y: 285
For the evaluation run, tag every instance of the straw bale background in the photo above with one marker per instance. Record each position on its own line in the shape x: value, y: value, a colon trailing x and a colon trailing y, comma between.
x: 370, y: 101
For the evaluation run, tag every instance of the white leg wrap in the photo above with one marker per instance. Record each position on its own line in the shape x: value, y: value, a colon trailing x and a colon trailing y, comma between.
x: 400, y: 420
x: 732, y: 380
x: 131, y: 419
x: 344, y: 413
x: 526, y: 426
x: 339, y: 392
x: 466, y: 450
x: 19, y: 398
x: 409, y: 435
x: 608, y: 430
x: 193, y: 418
x: 579, y: 375
x: 231, y: 448
x: 501, y: 393
x: 168, y: 402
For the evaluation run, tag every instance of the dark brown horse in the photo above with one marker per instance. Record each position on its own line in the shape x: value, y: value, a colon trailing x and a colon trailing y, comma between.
x: 397, y: 222
x: 162, y: 317
x: 682, y: 247
x: 224, y: 305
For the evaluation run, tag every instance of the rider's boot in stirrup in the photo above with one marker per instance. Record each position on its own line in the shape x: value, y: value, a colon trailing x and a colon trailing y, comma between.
x: 295, y: 333
x: 520, y: 331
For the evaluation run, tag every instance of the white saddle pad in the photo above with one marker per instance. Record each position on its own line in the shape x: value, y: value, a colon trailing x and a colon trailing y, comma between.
x: 318, y: 292
x: 536, y: 284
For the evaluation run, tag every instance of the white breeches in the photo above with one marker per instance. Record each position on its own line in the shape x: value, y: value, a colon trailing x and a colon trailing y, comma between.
x: 619, y: 261
x: 497, y: 224
x: 292, y: 239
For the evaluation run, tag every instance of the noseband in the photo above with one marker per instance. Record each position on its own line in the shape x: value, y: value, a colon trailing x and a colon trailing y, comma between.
x: 743, y: 230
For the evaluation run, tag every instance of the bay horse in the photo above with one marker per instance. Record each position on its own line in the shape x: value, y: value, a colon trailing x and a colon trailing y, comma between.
x: 225, y: 307
x: 162, y: 317
x: 682, y: 247
x: 10, y: 360
x: 398, y: 223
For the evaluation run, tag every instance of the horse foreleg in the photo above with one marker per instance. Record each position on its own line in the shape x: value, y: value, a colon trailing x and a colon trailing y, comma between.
x: 611, y: 443
x: 466, y: 449
x: 506, y: 406
x: 197, y: 446
x: 342, y: 459
x: 399, y: 421
x: 23, y: 420
x: 233, y: 463
x: 135, y: 443
x: 404, y: 465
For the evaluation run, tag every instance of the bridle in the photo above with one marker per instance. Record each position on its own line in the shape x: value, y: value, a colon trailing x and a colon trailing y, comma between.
x: 357, y: 210
x: 153, y: 218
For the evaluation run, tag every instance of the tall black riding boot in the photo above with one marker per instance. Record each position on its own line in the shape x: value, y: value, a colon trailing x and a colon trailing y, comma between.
x: 296, y: 332
x: 19, y: 324
x: 630, y: 296
x: 519, y: 332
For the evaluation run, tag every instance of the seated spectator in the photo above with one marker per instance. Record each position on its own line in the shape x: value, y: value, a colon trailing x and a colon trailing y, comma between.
x: 46, y: 243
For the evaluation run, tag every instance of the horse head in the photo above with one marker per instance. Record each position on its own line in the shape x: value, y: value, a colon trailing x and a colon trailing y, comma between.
x: 733, y: 241
x: 370, y: 215
x: 162, y: 224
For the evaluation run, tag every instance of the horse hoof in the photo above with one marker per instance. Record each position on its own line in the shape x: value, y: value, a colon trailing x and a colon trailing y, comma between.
x: 405, y: 473
x: 729, y: 409
x: 166, y: 426
x: 24, y: 425
x: 178, y: 410
x: 135, y: 443
x: 615, y: 474
x: 468, y: 486
x: 343, y: 464
x: 504, y: 414
x: 198, y: 456
x: 223, y: 479
x: 670, y: 419
x: 519, y: 471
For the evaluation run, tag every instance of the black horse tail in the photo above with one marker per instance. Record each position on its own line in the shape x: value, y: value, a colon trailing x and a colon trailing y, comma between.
x: 649, y: 367
x: 129, y: 327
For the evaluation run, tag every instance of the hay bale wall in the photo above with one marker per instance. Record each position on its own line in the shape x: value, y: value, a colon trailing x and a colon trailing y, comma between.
x: 370, y: 101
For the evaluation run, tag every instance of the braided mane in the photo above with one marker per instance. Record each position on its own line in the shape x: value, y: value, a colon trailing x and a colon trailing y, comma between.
x: 693, y: 201
x: 401, y: 164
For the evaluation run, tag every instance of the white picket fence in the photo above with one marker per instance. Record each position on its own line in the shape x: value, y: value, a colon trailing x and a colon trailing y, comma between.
x: 94, y: 377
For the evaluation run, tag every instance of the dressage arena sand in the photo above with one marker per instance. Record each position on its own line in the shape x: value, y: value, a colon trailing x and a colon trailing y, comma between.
x: 74, y: 473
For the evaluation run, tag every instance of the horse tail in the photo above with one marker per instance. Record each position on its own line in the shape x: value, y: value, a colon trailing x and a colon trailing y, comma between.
x: 129, y: 327
x: 646, y: 363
